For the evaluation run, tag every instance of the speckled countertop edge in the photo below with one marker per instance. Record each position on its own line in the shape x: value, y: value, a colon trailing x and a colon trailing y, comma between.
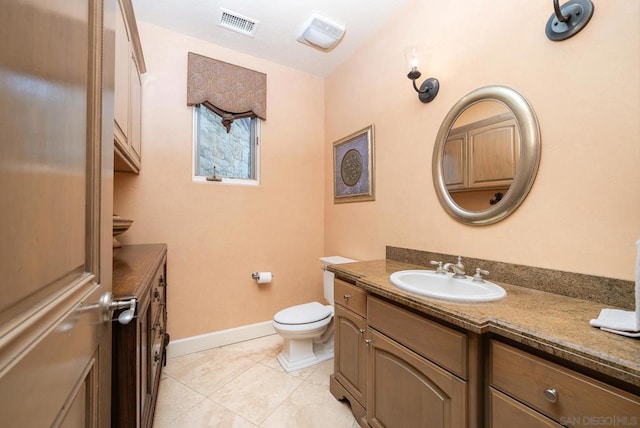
x: 554, y: 324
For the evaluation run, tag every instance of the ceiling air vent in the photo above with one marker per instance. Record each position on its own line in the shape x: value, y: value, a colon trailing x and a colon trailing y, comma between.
x: 238, y: 23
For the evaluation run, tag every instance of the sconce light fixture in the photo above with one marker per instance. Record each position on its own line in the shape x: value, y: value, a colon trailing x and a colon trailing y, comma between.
x: 429, y: 88
x: 568, y: 20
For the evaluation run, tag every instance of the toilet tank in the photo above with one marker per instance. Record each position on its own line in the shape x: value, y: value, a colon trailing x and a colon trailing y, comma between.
x: 329, y: 276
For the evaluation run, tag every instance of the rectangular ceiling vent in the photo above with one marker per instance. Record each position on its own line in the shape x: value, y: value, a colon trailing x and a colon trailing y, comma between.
x: 238, y: 23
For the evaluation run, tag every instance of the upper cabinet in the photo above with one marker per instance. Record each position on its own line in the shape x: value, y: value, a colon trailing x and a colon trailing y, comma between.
x: 128, y: 91
x: 482, y: 155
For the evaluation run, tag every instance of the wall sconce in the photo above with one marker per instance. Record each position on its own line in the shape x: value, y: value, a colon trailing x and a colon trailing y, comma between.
x: 429, y: 88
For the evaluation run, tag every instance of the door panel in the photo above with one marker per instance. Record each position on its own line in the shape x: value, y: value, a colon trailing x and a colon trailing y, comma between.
x: 56, y: 211
x: 42, y: 178
x: 407, y: 390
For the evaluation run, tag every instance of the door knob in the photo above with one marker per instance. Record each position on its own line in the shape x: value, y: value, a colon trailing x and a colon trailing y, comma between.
x: 108, y: 305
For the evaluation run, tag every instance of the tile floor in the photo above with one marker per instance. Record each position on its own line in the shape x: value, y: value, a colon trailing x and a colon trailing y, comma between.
x: 242, y: 385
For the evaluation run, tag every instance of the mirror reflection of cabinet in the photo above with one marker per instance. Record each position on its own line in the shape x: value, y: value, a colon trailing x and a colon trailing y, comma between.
x: 473, y: 201
x: 482, y: 155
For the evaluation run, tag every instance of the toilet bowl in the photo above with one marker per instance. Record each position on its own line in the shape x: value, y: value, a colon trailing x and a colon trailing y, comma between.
x: 307, y: 329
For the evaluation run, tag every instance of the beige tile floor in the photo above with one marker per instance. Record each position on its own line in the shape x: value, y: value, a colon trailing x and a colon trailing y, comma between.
x: 242, y: 385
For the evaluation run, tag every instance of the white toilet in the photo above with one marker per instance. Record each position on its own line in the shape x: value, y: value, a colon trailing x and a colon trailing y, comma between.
x: 307, y: 329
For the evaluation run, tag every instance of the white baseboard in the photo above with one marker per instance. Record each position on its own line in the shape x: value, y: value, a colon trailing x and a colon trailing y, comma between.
x: 189, y: 345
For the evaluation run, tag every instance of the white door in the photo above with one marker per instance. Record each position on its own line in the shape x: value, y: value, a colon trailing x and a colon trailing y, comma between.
x: 56, y: 157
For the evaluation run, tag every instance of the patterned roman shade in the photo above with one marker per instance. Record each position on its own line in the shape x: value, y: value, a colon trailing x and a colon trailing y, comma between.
x: 231, y: 91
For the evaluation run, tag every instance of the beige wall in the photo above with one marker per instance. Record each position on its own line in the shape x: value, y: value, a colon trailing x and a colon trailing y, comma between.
x: 581, y: 215
x: 583, y: 211
x: 218, y: 234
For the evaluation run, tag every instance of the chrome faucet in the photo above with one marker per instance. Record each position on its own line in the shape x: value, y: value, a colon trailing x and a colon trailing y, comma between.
x: 457, y: 268
x: 439, y: 269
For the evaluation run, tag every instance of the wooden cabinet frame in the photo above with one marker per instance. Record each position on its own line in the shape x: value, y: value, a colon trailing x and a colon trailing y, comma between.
x: 129, y: 67
x: 140, y: 272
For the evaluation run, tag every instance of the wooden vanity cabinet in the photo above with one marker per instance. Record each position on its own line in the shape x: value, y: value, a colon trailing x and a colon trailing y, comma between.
x: 349, y: 380
x: 406, y: 388
x: 529, y: 391
x: 139, y: 272
x: 129, y: 66
x: 397, y: 368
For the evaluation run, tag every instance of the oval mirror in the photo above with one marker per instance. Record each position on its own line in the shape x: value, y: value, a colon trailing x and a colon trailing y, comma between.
x: 486, y: 155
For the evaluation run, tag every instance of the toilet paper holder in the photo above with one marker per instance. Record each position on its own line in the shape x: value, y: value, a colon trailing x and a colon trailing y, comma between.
x: 256, y: 275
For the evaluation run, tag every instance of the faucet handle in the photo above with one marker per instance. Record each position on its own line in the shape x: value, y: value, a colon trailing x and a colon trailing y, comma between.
x: 439, y: 268
x: 478, y: 276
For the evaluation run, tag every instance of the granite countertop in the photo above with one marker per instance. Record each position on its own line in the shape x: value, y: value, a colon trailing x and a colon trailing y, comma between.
x: 552, y: 323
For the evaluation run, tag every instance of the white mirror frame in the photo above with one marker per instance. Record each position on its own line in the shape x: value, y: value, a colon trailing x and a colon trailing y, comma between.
x: 527, y: 124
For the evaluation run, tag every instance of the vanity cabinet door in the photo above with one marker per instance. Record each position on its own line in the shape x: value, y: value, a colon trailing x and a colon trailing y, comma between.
x: 407, y: 390
x: 350, y: 352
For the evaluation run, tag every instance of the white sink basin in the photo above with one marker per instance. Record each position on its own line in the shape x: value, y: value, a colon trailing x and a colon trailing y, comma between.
x: 444, y: 286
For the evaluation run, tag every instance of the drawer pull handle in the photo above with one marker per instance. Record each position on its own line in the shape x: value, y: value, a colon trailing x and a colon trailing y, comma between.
x: 551, y: 395
x: 346, y: 297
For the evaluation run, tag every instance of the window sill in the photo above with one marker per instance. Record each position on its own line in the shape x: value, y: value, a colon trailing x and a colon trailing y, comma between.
x: 230, y: 181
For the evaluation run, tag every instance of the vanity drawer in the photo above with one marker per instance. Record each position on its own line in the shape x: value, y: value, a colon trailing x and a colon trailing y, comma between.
x: 560, y: 393
x: 440, y: 344
x: 350, y: 296
x: 507, y: 412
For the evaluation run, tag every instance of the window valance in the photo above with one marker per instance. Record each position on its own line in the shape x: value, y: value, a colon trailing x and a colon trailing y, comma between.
x: 229, y: 90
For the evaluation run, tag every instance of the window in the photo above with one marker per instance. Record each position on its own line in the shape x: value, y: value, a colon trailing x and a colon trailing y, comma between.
x: 234, y: 154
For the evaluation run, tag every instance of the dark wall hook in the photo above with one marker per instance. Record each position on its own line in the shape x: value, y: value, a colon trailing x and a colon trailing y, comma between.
x: 558, y: 12
x: 568, y: 19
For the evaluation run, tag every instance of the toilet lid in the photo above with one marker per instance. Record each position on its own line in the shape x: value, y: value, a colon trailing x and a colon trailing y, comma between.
x: 303, y: 314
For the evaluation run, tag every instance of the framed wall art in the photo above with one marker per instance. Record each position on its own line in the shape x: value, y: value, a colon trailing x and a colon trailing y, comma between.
x: 353, y: 167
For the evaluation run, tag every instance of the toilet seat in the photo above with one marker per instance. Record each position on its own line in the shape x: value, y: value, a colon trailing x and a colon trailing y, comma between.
x: 306, y: 313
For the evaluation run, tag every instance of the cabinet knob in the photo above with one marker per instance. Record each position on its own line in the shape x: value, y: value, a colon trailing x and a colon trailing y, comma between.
x: 161, y: 281
x: 346, y: 297
x: 368, y: 341
x: 362, y: 331
x: 551, y: 395
x: 156, y: 357
x: 156, y: 294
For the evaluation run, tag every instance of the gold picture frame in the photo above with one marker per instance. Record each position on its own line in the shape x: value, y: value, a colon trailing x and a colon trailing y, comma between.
x: 353, y: 167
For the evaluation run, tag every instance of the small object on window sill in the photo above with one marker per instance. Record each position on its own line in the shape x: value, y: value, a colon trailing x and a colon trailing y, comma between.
x: 214, y: 177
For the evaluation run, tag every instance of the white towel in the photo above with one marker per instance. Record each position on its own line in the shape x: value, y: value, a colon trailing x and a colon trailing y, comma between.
x: 616, y: 319
x: 626, y: 323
